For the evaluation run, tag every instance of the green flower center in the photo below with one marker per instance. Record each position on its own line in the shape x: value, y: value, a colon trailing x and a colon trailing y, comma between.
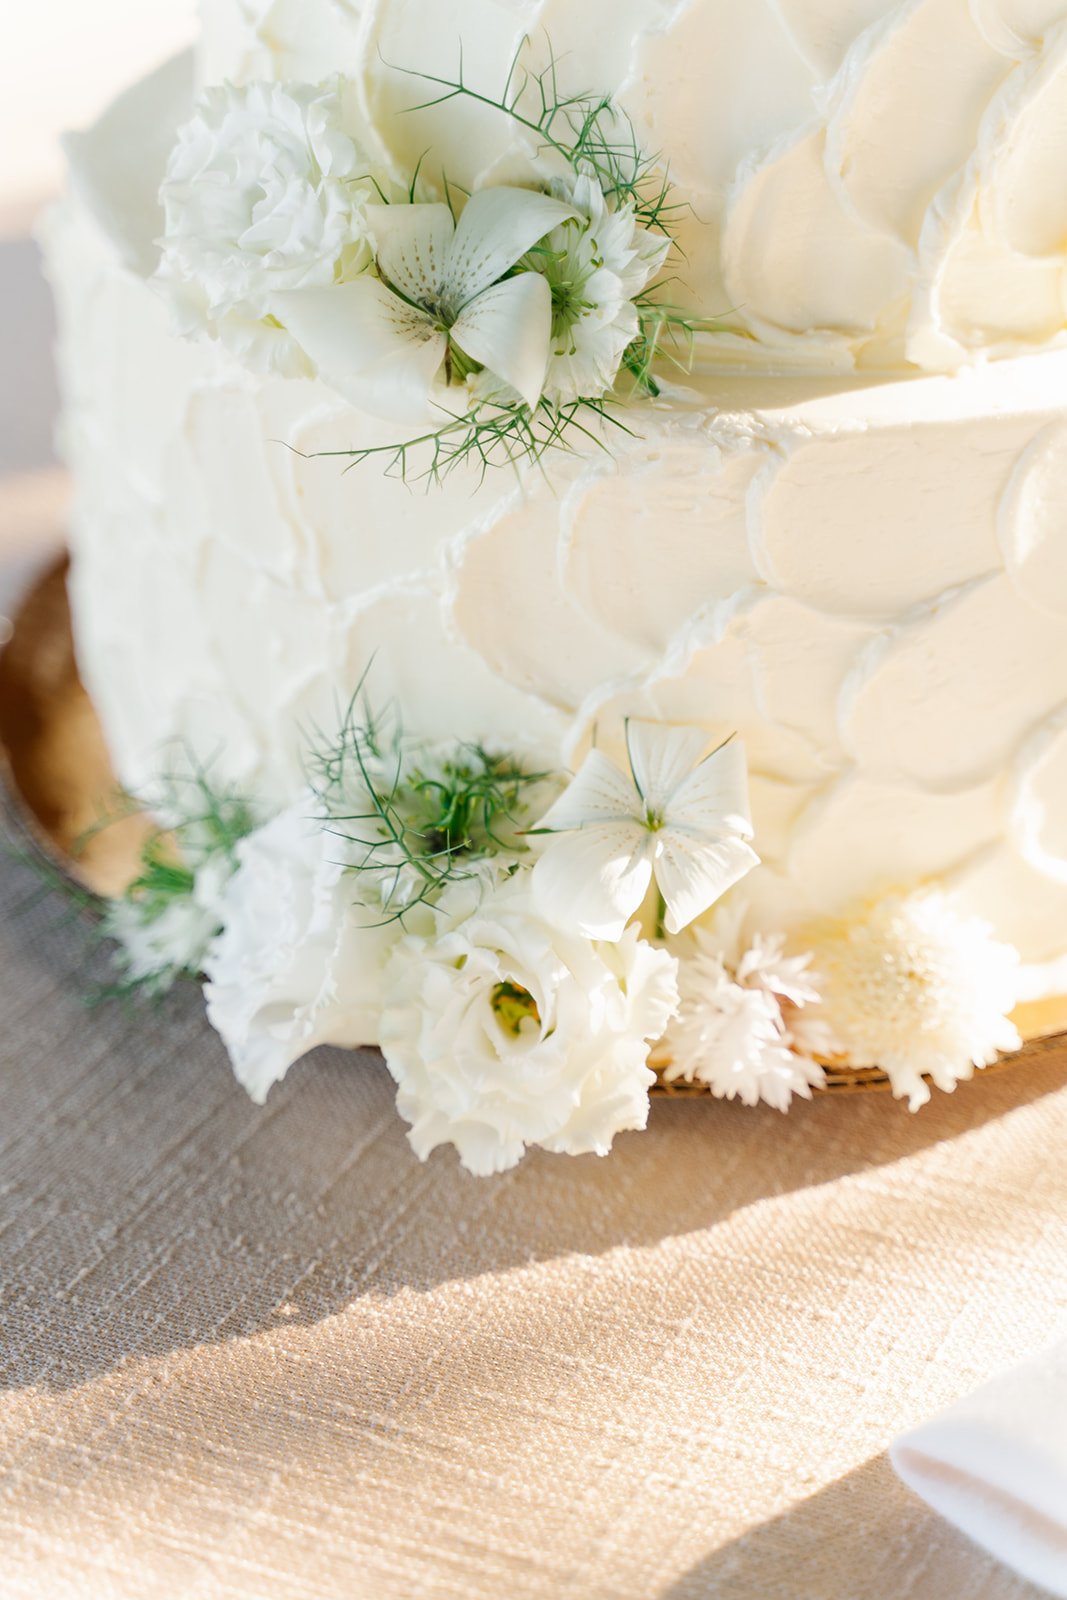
x: 569, y: 305
x: 458, y: 365
x: 515, y: 1009
x: 568, y: 275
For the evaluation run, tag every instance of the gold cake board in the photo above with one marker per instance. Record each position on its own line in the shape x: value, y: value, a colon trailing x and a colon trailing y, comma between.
x: 59, y: 784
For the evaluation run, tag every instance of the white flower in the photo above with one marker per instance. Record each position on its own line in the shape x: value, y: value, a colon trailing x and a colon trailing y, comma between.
x: 262, y: 194
x: 680, y: 814
x: 298, y: 962
x: 743, y: 1026
x: 916, y: 988
x: 596, y: 263
x: 437, y: 310
x: 158, y: 942
x: 503, y: 1033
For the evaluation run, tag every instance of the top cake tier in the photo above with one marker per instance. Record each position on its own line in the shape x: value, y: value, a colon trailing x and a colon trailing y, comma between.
x: 873, y: 183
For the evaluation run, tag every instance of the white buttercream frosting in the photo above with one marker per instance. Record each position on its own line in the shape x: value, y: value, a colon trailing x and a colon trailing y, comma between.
x: 872, y: 182
x: 862, y: 576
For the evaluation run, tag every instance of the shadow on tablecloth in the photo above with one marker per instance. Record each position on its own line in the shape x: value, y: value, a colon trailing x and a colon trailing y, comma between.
x: 149, y: 1206
x: 855, y: 1537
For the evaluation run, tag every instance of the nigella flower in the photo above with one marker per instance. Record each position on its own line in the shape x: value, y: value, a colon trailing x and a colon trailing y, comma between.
x: 440, y: 308
x: 596, y: 263
x: 680, y: 814
x: 161, y: 939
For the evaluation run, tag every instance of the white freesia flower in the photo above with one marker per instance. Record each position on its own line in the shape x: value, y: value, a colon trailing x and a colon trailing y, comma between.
x: 502, y: 1033
x: 596, y: 264
x: 679, y: 814
x: 158, y: 942
x: 915, y: 987
x: 437, y: 309
x: 744, y: 1026
x: 262, y: 194
x: 298, y: 962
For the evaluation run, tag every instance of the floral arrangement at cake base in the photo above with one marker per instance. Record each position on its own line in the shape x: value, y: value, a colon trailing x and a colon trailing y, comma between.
x: 525, y: 946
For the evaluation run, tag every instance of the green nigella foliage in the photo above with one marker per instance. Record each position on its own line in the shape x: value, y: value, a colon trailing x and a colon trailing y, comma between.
x: 206, y: 824
x: 417, y: 818
x: 209, y: 823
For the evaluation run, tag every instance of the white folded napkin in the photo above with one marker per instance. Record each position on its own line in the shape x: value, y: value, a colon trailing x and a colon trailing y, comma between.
x: 995, y: 1464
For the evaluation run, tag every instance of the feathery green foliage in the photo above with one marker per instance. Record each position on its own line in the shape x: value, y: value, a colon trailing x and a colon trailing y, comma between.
x: 416, y: 819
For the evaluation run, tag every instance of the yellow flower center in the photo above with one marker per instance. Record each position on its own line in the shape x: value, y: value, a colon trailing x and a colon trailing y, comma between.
x: 515, y: 1009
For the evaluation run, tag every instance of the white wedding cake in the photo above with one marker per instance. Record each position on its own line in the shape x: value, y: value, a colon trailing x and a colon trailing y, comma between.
x: 836, y: 529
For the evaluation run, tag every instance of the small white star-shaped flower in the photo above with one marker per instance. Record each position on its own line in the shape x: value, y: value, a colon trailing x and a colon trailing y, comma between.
x: 680, y: 814
x: 383, y: 340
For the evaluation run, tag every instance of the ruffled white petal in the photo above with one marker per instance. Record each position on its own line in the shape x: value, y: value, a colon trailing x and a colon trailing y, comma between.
x: 297, y: 962
x: 370, y: 346
x: 714, y: 796
x: 497, y: 227
x: 661, y: 758
x: 593, y: 881
x: 508, y: 329
x: 413, y: 246
x: 570, y: 1080
x: 736, y: 1030
x: 693, y: 873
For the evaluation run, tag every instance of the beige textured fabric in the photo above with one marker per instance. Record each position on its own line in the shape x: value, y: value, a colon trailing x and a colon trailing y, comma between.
x: 264, y: 1355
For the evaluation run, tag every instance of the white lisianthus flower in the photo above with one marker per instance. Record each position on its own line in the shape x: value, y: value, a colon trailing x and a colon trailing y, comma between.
x: 503, y: 1033
x: 915, y: 987
x: 298, y: 962
x: 437, y: 309
x: 160, y: 941
x: 596, y: 265
x: 744, y: 1026
x: 680, y: 814
x: 264, y: 192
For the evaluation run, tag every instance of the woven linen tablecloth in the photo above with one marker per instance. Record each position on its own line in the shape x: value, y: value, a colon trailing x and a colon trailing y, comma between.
x: 265, y: 1355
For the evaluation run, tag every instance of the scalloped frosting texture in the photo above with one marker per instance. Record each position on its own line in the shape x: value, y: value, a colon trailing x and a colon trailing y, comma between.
x: 873, y: 183
x: 866, y: 578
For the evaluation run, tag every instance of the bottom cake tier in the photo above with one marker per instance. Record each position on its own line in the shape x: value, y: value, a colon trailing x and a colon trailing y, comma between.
x: 59, y: 784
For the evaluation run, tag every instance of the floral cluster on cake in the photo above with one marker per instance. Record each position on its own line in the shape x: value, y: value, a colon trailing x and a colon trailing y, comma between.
x: 490, y: 327
x: 527, y: 948
x: 530, y: 949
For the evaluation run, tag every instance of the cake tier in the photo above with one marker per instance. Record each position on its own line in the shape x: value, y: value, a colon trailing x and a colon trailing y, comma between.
x: 872, y: 182
x: 866, y: 579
